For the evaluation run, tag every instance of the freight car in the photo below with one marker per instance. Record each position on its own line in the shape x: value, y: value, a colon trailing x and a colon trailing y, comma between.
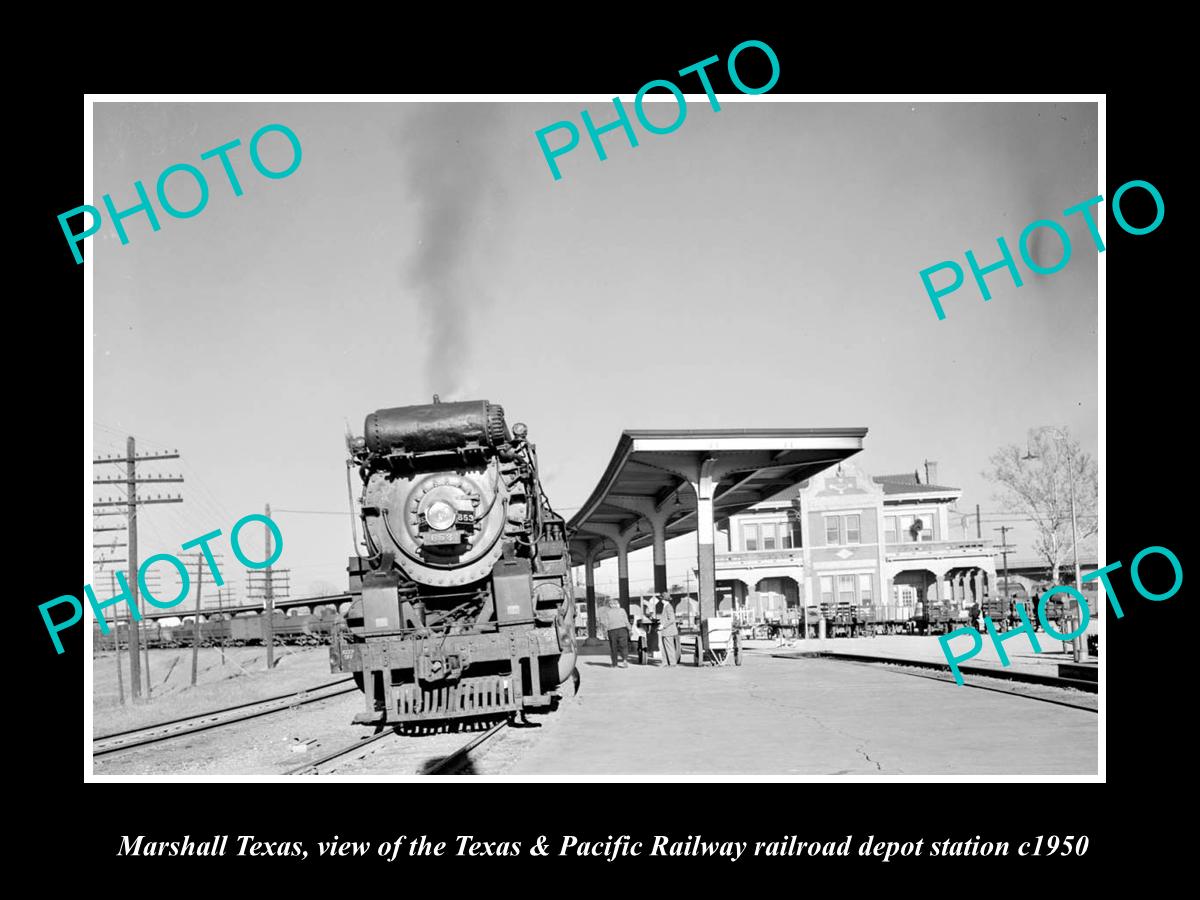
x: 837, y: 619
x: 938, y: 616
x: 841, y: 619
x: 463, y: 605
x: 219, y: 629
x: 250, y: 630
x: 896, y: 618
x: 932, y: 617
x: 153, y: 634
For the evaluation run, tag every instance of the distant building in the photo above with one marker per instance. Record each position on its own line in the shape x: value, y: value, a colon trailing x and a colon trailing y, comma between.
x: 845, y: 540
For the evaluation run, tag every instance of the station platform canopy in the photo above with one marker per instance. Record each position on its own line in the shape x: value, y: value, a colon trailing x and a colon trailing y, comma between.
x: 662, y: 484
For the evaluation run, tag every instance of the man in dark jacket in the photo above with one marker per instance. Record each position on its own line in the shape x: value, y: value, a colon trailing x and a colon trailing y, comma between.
x: 668, y: 630
x: 616, y: 623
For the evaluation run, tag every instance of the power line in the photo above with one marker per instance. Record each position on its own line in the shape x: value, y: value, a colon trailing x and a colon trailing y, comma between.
x: 131, y: 503
x: 315, y: 512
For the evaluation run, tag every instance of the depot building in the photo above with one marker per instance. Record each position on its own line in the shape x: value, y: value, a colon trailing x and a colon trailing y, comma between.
x: 847, y: 539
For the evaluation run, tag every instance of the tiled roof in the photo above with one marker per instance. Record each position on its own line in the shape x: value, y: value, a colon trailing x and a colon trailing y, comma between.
x: 904, y: 483
x: 787, y: 495
x: 911, y: 487
x: 902, y: 478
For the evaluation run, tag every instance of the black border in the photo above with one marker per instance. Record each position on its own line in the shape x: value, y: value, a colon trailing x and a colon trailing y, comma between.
x: 1145, y: 686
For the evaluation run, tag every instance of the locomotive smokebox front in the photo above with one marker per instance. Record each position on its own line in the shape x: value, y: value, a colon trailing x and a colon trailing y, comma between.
x: 465, y: 604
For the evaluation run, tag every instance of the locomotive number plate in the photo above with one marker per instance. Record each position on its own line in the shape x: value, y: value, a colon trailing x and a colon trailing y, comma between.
x: 443, y: 537
x: 465, y: 518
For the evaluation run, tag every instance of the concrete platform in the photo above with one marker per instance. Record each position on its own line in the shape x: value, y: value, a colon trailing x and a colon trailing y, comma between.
x: 1020, y: 651
x: 803, y: 717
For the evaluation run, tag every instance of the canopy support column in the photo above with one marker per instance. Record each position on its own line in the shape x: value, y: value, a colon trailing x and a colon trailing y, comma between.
x: 706, y: 559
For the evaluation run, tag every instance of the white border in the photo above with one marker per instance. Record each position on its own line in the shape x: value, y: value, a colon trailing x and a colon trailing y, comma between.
x: 90, y: 99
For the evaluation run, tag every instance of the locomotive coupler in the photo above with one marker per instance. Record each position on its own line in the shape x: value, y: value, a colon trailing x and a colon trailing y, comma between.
x: 433, y: 666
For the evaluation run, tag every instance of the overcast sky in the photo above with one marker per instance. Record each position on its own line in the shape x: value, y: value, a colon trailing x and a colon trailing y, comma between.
x: 757, y: 267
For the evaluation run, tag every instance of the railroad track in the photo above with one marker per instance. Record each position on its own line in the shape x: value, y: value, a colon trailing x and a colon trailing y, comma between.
x: 460, y: 758
x: 940, y: 673
x: 453, y: 764
x: 313, y: 766
x: 218, y: 718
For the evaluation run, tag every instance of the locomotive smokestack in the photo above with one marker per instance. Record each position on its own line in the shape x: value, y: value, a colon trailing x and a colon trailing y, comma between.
x: 447, y: 154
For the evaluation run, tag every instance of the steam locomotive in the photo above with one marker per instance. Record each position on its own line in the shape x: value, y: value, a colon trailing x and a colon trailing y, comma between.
x: 463, y: 605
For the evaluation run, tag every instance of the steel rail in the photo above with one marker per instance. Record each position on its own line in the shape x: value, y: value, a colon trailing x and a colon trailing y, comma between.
x: 1024, y: 677
x: 446, y: 766
x: 1006, y: 674
x: 455, y: 760
x: 311, y: 767
x: 152, y: 734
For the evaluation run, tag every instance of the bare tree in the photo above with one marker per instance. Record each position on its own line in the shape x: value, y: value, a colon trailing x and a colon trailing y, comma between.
x: 1040, y: 487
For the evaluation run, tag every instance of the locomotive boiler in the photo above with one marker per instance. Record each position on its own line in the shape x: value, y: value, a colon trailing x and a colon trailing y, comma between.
x: 463, y: 605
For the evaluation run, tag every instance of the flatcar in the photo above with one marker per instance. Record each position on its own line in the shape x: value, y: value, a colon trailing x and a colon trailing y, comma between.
x: 220, y: 629
x: 934, y: 616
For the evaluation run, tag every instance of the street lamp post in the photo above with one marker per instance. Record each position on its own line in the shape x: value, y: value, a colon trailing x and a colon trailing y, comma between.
x: 1077, y: 645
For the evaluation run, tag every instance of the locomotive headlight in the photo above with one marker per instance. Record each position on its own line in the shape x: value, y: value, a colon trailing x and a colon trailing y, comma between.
x: 440, y: 515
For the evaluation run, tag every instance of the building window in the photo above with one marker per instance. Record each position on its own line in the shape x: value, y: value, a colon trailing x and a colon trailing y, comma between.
x: 909, y: 532
x: 845, y: 590
x: 768, y: 537
x: 853, y: 527
x: 889, y: 529
x: 918, y: 528
x: 827, y: 589
x: 865, y: 592
x: 929, y: 532
x: 926, y: 527
x: 785, y: 536
x: 843, y: 529
x: 750, y: 536
x: 833, y: 530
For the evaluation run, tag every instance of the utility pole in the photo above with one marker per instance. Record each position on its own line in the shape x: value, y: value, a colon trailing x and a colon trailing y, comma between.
x: 1062, y: 439
x: 1004, y: 530
x: 269, y: 600
x: 112, y: 579
x: 199, y: 558
x: 220, y: 609
x: 978, y: 524
x: 273, y: 584
x: 117, y: 653
x: 1078, y: 650
x: 131, y: 504
x: 131, y: 520
x: 102, y: 562
x: 196, y: 624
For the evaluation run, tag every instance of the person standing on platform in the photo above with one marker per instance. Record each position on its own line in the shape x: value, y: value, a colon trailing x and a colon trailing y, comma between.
x: 616, y: 623
x: 668, y: 631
